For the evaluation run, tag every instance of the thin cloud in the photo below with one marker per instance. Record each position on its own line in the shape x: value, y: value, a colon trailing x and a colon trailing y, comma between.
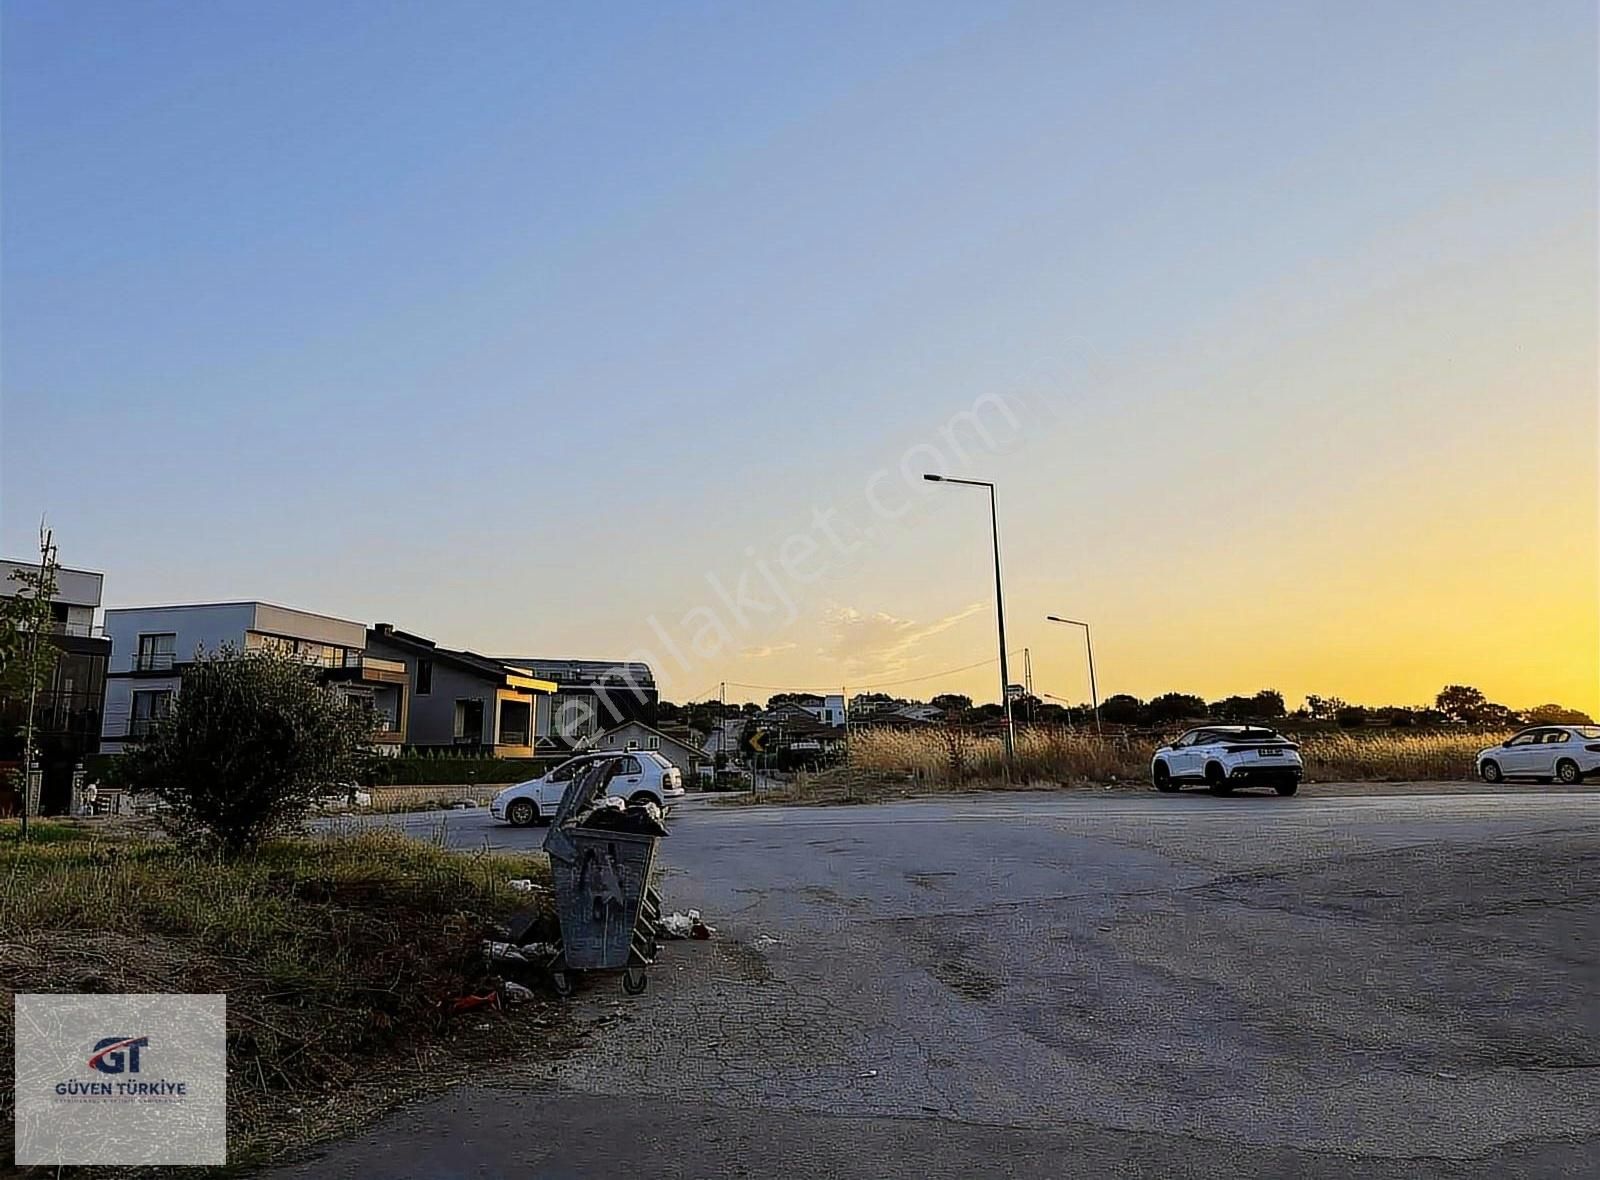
x: 880, y: 643
x: 761, y: 653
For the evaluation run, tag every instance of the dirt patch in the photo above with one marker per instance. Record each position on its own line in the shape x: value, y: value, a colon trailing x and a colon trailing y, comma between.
x: 965, y: 977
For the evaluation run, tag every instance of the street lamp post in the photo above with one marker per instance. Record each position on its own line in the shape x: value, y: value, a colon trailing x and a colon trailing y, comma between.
x: 999, y: 606
x: 1088, y: 644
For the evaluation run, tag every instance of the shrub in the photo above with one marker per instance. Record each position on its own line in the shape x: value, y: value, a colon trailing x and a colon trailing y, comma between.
x: 250, y: 743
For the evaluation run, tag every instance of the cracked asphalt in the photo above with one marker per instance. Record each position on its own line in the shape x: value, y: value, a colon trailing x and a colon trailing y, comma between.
x: 1035, y: 985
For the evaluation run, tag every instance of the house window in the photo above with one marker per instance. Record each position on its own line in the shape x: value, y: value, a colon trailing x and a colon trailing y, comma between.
x: 424, y: 677
x: 148, y: 708
x: 469, y: 721
x: 156, y: 652
x: 652, y: 743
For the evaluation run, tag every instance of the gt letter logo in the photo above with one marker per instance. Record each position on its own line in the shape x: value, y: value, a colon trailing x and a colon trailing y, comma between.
x: 116, y: 1054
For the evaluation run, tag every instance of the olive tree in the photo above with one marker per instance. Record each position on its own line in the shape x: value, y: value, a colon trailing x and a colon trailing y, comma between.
x: 251, y: 741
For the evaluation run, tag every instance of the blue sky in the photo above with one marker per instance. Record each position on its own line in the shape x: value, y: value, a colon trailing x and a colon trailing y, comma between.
x: 511, y: 323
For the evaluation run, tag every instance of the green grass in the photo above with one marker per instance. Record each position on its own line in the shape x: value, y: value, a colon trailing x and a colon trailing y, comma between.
x: 39, y: 832
x: 337, y: 953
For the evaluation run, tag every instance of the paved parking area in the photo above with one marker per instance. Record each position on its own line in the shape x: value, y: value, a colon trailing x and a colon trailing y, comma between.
x: 1102, y: 984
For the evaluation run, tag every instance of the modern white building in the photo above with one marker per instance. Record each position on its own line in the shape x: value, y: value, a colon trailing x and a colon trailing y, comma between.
x: 829, y: 710
x: 151, y: 646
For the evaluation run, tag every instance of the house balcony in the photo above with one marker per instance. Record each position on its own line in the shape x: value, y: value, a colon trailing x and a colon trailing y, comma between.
x: 358, y: 666
x: 154, y: 661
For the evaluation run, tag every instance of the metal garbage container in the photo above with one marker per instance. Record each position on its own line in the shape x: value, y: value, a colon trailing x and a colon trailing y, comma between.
x: 604, y: 902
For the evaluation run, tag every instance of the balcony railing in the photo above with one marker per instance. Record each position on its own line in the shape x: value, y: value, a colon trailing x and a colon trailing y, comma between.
x: 153, y: 661
x: 74, y: 630
x: 139, y: 727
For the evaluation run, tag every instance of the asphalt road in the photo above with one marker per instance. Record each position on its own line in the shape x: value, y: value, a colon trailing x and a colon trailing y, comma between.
x: 1047, y: 985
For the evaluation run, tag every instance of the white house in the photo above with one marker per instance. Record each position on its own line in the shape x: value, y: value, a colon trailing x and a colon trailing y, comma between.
x: 151, y: 646
x: 827, y: 709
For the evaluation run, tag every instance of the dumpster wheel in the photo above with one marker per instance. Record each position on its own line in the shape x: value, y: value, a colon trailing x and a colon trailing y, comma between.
x: 559, y: 979
x: 634, y: 981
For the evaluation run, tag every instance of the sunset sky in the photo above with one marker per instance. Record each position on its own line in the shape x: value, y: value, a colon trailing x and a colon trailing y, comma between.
x: 527, y: 327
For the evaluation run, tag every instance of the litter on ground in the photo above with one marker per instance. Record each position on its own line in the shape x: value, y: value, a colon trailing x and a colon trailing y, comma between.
x: 678, y: 924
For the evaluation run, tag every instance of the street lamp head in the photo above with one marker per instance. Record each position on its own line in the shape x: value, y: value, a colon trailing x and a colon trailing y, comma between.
x: 933, y: 478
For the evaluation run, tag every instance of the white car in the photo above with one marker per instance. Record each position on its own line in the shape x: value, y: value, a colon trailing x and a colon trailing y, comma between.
x: 1227, y: 756
x: 643, y: 775
x: 1563, y: 753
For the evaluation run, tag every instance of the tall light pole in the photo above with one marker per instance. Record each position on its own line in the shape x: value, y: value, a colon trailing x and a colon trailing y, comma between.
x: 999, y: 606
x: 1089, y: 645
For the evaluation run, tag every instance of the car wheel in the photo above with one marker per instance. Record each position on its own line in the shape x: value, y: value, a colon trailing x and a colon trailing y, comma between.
x: 1217, y: 779
x: 1489, y: 770
x: 522, y: 813
x: 1288, y: 786
x: 1163, y: 778
x: 1567, y: 772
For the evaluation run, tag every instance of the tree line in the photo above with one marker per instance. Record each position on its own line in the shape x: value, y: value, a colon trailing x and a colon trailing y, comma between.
x: 1455, y: 704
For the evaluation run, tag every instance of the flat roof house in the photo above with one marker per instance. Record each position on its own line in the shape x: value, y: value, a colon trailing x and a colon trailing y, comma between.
x: 590, y: 697
x: 152, y: 645
x: 464, y: 700
x: 68, y: 709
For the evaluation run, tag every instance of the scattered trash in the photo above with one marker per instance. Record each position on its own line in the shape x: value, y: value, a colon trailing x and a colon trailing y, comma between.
x: 701, y: 931
x: 763, y: 941
x: 469, y: 1002
x: 524, y: 885
x: 515, y: 993
x: 870, y: 1073
x: 534, y: 951
x: 503, y: 952
x: 678, y: 925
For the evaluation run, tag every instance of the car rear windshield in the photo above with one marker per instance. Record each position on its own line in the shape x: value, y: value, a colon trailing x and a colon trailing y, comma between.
x: 1253, y: 734
x: 1587, y: 731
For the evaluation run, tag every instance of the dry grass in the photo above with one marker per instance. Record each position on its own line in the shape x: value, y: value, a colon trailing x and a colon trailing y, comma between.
x: 951, y: 757
x: 337, y: 954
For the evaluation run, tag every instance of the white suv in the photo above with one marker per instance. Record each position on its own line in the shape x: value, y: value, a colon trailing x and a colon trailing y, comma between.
x: 643, y: 775
x: 1226, y: 756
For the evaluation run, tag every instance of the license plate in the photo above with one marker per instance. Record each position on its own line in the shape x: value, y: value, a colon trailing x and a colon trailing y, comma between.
x: 1268, y: 753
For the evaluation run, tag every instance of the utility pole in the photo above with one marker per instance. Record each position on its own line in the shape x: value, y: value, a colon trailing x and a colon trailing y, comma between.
x: 46, y: 559
x: 844, y: 697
